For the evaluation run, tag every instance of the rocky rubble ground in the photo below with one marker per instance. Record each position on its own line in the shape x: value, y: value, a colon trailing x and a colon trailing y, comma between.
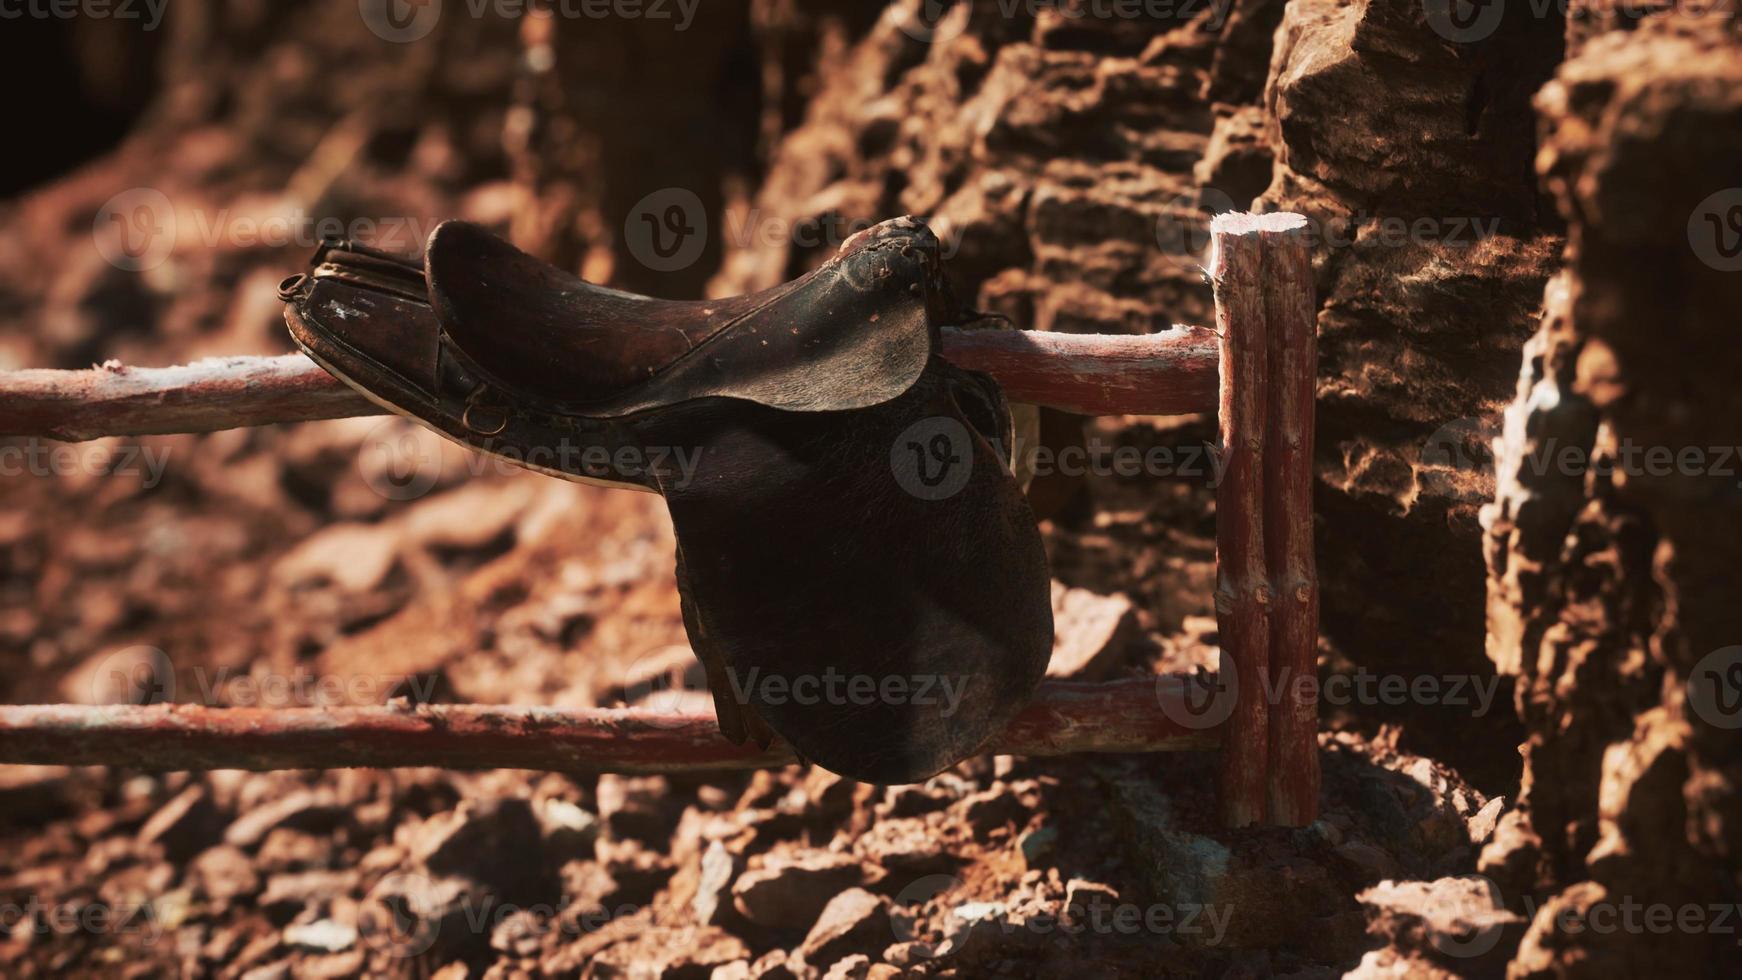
x: 995, y: 868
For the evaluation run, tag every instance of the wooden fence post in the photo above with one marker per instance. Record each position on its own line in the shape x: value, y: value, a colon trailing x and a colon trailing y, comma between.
x: 1291, y: 316
x: 1242, y: 578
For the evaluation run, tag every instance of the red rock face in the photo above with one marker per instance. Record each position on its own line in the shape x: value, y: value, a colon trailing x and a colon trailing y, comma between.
x: 1612, y: 577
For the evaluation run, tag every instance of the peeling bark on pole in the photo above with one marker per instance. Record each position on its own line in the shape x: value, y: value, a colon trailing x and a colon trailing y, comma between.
x: 1171, y: 373
x: 1291, y: 315
x: 1242, y: 579
x: 205, y: 396
x: 1127, y: 716
x: 1160, y: 374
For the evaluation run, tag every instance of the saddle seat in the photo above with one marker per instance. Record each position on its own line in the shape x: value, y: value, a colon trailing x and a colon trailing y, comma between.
x: 863, y: 325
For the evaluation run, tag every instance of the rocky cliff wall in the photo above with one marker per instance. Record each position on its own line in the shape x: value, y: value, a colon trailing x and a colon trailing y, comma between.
x: 1614, y: 540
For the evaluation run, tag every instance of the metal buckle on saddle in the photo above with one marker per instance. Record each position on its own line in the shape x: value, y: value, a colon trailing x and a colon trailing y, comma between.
x: 491, y: 410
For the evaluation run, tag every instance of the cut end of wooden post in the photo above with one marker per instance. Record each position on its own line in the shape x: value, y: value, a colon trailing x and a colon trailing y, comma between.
x: 1240, y: 225
x: 1243, y: 223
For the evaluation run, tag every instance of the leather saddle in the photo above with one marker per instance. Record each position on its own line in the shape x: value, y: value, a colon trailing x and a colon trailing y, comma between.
x: 860, y: 573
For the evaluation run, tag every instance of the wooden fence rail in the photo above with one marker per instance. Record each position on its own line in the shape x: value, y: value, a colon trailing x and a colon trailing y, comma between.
x: 1256, y: 370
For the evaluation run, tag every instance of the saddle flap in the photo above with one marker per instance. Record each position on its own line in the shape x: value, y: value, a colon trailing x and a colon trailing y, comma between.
x: 856, y: 332
x: 871, y: 585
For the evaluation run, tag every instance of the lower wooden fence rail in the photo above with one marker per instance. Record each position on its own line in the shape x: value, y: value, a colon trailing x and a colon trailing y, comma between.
x: 1133, y: 715
x: 1256, y: 370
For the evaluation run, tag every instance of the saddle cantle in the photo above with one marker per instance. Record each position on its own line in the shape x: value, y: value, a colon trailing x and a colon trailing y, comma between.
x: 859, y: 572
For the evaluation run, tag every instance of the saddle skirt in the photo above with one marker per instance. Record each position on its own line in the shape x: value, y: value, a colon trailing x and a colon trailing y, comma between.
x: 859, y: 572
